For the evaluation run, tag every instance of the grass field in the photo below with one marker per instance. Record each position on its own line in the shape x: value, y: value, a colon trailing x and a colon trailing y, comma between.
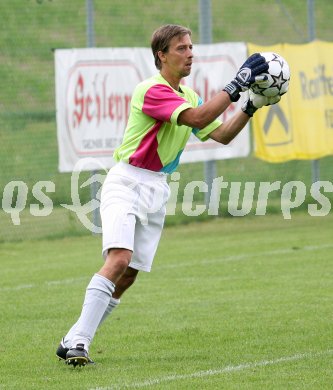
x: 233, y: 303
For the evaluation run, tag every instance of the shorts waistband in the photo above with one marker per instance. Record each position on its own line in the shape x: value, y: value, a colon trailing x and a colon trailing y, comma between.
x: 143, y: 174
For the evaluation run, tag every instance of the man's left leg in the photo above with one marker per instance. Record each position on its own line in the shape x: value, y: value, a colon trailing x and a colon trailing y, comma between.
x: 126, y: 281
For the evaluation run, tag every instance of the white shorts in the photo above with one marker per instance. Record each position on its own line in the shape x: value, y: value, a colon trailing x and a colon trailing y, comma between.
x: 133, y: 207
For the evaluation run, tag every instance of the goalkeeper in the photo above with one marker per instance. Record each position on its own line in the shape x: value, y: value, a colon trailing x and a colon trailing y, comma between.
x: 163, y: 115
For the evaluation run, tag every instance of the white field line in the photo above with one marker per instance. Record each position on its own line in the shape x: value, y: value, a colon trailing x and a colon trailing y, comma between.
x: 219, y: 371
x: 221, y: 259
x: 45, y: 284
x: 247, y: 256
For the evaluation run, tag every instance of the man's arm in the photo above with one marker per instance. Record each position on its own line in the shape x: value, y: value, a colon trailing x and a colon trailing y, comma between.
x: 202, y: 116
x: 250, y: 72
x: 228, y: 130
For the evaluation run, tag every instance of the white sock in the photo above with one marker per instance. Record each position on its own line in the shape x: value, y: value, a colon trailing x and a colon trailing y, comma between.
x: 98, y: 295
x: 114, y: 302
x: 67, y: 340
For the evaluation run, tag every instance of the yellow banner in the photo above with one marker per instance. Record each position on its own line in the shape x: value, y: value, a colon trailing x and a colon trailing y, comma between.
x: 300, y: 126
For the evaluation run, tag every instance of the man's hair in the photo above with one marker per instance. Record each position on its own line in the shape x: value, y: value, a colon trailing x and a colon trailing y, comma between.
x: 161, y: 38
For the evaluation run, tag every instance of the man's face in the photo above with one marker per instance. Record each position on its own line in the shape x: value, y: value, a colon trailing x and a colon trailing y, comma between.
x: 178, y: 60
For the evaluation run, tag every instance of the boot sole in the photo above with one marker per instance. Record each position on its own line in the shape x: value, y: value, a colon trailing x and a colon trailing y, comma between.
x: 80, y: 361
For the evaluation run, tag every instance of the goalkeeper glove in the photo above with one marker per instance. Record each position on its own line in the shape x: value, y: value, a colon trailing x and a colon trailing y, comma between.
x: 248, y: 73
x: 257, y: 101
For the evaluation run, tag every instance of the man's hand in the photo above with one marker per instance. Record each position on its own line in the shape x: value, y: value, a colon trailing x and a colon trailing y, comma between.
x: 249, y: 73
x: 257, y: 101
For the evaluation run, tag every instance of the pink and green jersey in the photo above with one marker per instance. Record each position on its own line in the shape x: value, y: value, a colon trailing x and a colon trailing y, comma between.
x: 153, y: 140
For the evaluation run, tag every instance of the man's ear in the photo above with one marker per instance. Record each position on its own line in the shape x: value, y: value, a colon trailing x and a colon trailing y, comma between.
x: 161, y: 56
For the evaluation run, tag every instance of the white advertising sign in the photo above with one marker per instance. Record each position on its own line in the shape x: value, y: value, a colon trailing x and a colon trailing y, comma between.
x: 93, y: 94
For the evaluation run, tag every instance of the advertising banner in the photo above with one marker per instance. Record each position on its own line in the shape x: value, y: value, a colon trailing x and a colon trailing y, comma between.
x: 300, y: 126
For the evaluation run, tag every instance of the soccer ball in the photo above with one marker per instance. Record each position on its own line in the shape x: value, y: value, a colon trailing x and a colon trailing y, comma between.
x: 278, y: 76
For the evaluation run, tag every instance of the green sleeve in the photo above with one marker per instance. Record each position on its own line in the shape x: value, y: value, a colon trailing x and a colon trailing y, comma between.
x: 203, y: 134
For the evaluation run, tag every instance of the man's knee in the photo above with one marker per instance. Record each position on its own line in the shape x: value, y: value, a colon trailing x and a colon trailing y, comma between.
x: 120, y: 256
x: 116, y: 263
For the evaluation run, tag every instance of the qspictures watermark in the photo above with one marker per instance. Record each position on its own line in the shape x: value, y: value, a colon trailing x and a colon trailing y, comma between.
x: 239, y: 198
